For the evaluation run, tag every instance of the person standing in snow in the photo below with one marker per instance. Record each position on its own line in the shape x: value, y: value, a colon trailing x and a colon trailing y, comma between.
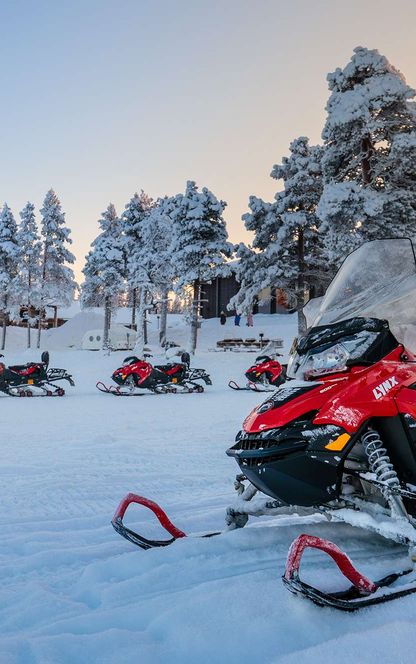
x: 250, y: 319
x: 237, y: 319
x: 223, y: 317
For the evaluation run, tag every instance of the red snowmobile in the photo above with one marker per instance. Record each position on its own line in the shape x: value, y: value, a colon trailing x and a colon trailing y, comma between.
x: 34, y: 379
x: 265, y: 375
x: 138, y: 377
x: 339, y: 437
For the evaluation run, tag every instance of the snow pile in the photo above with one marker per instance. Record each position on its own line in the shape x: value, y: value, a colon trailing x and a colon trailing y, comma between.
x: 70, y: 334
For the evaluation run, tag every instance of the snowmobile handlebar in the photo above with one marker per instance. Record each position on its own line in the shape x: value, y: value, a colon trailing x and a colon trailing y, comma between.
x: 344, y: 564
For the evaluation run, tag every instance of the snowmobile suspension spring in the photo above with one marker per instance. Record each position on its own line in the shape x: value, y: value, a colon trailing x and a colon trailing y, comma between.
x: 379, y: 460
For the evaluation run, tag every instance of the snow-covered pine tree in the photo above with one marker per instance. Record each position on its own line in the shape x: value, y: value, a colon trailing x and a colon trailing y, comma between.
x: 135, y: 211
x: 27, y: 282
x: 156, y: 260
x: 370, y: 152
x: 57, y: 279
x: 200, y: 244
x: 300, y: 244
x: 105, y: 269
x: 9, y: 256
x: 287, y: 246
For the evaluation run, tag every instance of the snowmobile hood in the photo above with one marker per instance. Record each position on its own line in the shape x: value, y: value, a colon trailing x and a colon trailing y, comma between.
x: 291, y: 399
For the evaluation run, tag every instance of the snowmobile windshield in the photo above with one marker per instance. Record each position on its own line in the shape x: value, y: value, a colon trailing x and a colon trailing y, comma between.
x: 377, y: 280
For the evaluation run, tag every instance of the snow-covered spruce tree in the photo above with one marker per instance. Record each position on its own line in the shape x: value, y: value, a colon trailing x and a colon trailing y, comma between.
x: 135, y: 211
x: 57, y: 279
x: 9, y: 256
x: 287, y: 248
x: 200, y: 244
x: 370, y: 154
x: 105, y: 269
x: 27, y: 282
x: 156, y: 260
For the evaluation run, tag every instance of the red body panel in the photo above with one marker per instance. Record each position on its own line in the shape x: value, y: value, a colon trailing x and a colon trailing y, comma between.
x: 349, y: 399
x: 140, y: 369
x: 272, y: 367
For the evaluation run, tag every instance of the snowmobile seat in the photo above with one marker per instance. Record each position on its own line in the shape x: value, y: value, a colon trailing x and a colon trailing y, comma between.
x: 165, y: 367
x: 17, y: 368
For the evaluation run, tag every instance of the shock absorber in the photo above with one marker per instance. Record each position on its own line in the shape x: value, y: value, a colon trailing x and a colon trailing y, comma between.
x: 380, y: 464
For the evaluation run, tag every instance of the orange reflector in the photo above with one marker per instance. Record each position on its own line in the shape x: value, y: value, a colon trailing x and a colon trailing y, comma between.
x: 339, y: 443
x: 30, y: 381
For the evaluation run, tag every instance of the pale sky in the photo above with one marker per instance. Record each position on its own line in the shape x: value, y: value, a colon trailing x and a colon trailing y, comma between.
x: 101, y: 99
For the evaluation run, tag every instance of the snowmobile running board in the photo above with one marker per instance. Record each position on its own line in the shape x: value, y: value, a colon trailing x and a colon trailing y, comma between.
x: 28, y: 390
x: 250, y: 387
x: 135, y: 538
x: 174, y: 389
x: 362, y: 593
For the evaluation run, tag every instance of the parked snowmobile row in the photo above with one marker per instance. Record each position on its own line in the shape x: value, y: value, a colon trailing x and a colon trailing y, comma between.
x: 339, y: 436
x: 34, y: 379
x: 137, y: 377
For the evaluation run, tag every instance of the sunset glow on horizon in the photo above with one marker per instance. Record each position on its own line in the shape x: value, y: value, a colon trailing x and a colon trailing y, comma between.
x: 101, y: 100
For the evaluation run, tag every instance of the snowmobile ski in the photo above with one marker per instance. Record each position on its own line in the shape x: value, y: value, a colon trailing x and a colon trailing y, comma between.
x: 139, y: 540
x: 361, y: 594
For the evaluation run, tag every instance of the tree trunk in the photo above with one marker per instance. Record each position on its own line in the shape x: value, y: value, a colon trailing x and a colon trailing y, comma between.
x: 367, y: 151
x: 301, y: 284
x: 55, y: 316
x: 141, y: 336
x: 39, y: 326
x: 107, y: 323
x: 163, y: 317
x: 45, y: 254
x: 3, y: 336
x: 133, y: 309
x: 194, y: 317
x: 145, y: 337
x: 29, y: 308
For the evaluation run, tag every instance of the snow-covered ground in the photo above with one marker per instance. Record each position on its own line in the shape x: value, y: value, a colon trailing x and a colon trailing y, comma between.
x: 72, y: 591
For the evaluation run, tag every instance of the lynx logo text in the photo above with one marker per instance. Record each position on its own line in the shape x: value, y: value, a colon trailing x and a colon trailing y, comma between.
x: 384, y: 387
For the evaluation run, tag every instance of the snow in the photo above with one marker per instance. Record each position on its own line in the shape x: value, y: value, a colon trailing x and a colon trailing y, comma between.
x: 73, y: 591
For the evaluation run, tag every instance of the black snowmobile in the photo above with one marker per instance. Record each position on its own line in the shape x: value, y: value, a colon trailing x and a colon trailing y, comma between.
x: 34, y: 379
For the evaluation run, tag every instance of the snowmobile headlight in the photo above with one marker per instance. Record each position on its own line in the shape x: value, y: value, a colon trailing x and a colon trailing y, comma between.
x: 332, y: 359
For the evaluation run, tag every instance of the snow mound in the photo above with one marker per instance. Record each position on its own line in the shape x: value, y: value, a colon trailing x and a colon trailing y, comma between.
x: 71, y: 334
